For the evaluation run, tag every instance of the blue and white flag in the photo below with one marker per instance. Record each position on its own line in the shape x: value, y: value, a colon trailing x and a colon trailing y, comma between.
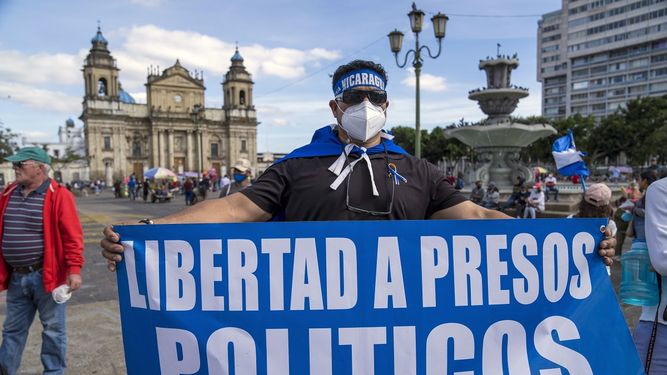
x: 568, y: 160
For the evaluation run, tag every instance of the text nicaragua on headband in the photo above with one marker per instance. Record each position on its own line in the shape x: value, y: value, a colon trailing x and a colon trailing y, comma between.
x: 356, y: 78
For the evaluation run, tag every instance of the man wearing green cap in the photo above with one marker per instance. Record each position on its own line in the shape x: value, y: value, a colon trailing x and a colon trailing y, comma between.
x: 41, y: 250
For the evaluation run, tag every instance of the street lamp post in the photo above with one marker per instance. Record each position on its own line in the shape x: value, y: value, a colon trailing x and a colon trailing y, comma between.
x: 195, y: 114
x: 396, y: 41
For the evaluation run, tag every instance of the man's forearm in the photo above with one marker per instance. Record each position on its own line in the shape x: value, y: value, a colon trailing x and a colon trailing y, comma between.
x: 467, y: 210
x: 495, y: 214
x: 235, y: 208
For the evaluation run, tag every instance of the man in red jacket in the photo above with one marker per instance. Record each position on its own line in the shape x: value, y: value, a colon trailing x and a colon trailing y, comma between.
x: 41, y: 255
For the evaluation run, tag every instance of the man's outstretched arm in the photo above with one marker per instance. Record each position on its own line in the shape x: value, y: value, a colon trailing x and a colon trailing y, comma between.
x: 468, y: 210
x: 236, y: 208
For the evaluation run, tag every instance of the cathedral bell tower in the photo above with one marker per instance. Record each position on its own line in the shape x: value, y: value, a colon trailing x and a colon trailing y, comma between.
x: 239, y: 112
x: 237, y: 87
x: 100, y: 73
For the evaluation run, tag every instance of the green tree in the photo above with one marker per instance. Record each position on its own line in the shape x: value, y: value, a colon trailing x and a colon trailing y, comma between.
x: 646, y: 127
x: 438, y: 146
x: 435, y: 146
x: 609, y: 139
x: 58, y: 163
x: 404, y: 136
x: 540, y: 150
x: 7, y: 142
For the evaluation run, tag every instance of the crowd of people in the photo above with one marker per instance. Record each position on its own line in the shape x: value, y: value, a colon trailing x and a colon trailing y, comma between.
x: 152, y: 190
x: 529, y: 201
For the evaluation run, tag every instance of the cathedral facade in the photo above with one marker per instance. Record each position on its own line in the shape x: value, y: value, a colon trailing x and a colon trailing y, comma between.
x: 174, y: 129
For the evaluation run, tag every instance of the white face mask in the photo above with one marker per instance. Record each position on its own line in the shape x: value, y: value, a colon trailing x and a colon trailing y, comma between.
x: 363, y: 121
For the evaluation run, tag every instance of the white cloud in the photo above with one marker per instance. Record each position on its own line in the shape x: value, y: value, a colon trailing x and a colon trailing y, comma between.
x: 146, y: 3
x: 40, y: 68
x: 434, y: 112
x: 36, y: 136
x: 427, y: 82
x: 280, y: 122
x: 151, y: 45
x: 41, y: 99
x: 529, y: 106
x: 139, y: 97
x: 38, y: 80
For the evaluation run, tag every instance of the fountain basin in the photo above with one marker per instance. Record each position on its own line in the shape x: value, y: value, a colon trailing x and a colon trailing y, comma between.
x: 500, y: 135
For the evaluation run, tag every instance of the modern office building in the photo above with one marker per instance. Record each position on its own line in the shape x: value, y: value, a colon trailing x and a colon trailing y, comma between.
x: 594, y: 56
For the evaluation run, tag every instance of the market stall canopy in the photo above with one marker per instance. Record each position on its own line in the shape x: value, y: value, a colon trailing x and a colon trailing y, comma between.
x: 159, y: 173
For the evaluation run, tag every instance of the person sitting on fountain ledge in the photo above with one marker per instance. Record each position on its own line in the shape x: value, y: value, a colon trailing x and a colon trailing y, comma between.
x: 535, y: 202
x: 491, y: 197
x: 351, y: 170
x: 550, y: 183
x: 516, y: 193
x: 477, y: 193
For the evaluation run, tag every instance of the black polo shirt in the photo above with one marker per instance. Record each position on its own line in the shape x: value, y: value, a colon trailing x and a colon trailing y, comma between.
x: 298, y: 190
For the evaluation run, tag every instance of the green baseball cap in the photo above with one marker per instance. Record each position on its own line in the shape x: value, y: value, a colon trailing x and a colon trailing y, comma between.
x: 30, y: 153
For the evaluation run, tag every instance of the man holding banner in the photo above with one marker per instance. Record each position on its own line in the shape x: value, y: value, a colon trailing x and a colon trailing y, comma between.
x: 351, y: 171
x: 316, y: 181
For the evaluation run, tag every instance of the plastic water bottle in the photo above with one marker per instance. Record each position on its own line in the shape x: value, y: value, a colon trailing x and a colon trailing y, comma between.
x: 61, y: 294
x: 639, y: 284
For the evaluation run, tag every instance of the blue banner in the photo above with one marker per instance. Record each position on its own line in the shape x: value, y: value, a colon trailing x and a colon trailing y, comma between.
x: 371, y: 297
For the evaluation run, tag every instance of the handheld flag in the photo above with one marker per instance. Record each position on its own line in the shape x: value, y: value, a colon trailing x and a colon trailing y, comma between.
x: 568, y: 160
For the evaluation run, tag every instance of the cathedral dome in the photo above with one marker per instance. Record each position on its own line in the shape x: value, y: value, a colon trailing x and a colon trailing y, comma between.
x: 237, y: 56
x: 69, y: 123
x: 99, y: 38
x: 124, y: 97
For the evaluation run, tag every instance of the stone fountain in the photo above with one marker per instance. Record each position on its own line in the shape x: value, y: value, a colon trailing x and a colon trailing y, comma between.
x: 496, y: 140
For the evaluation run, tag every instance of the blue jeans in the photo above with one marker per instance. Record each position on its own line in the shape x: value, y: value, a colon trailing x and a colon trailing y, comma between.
x: 26, y: 296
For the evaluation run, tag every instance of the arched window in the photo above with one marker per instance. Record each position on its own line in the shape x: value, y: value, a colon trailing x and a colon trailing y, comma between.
x: 242, y: 97
x: 102, y: 87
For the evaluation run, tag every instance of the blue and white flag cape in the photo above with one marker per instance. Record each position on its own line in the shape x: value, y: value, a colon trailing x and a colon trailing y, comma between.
x: 325, y: 142
x: 568, y: 160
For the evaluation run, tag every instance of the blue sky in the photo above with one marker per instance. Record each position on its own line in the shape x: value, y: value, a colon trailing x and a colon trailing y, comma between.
x: 290, y: 48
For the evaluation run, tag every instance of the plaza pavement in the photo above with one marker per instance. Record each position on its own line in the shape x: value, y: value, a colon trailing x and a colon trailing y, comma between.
x: 93, y: 318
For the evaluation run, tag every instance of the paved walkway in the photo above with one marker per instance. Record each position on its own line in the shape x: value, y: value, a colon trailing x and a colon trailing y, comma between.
x: 93, y: 318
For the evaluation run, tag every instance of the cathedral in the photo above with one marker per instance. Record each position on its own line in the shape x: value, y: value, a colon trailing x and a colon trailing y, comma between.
x: 174, y: 129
